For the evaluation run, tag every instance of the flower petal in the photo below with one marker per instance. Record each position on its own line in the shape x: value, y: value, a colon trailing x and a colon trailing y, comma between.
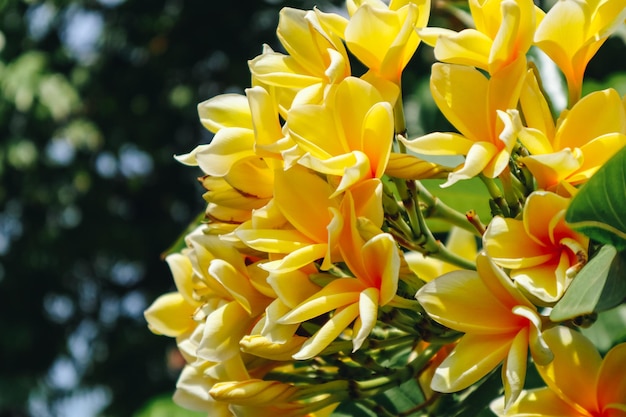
x: 472, y: 358
x: 612, y: 380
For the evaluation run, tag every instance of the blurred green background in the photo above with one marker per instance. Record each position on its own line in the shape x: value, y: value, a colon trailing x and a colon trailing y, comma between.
x: 95, y: 99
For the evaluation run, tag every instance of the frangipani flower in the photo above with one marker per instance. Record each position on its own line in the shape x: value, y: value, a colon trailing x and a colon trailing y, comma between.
x: 504, y: 33
x: 348, y: 136
x: 580, y: 383
x: 582, y: 141
x: 238, y: 180
x: 383, y: 37
x: 540, y: 249
x: 482, y: 110
x: 499, y: 323
x: 316, y: 55
x: 375, y: 264
x: 573, y: 31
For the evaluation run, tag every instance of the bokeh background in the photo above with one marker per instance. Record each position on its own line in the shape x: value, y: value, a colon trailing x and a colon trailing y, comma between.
x: 95, y: 99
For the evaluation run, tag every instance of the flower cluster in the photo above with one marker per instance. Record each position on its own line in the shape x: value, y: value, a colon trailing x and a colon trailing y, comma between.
x: 314, y: 278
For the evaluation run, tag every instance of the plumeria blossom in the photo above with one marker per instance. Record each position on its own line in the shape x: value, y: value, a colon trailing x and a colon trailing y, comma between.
x: 312, y: 226
x: 579, y: 382
x: 316, y: 55
x: 499, y: 323
x: 573, y: 150
x: 383, y: 37
x: 375, y: 264
x: 572, y: 32
x: 237, y: 179
x: 483, y: 111
x: 504, y: 33
x: 349, y: 136
x: 542, y: 252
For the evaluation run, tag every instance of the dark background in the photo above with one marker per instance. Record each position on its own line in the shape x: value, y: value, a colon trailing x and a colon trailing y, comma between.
x: 95, y: 99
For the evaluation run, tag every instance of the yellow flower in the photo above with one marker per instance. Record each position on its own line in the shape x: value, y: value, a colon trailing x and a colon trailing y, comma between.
x: 482, y: 110
x: 573, y: 150
x: 504, y: 33
x: 573, y: 31
x: 316, y: 55
x: 238, y: 180
x: 375, y: 264
x: 499, y: 323
x: 383, y: 37
x: 540, y: 249
x: 460, y: 242
x: 579, y: 382
x: 310, y: 209
x: 348, y: 136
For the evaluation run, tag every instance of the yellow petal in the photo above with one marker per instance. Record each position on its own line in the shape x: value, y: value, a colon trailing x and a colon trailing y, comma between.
x: 612, y: 381
x: 446, y: 300
x: 226, y: 110
x: 170, y: 315
x: 274, y: 241
x: 292, y: 287
x: 260, y: 346
x: 574, y: 369
x: 377, y: 135
x: 223, y: 329
x: 406, y: 166
x: 508, y: 244
x: 381, y: 263
x: 460, y: 94
x: 596, y: 153
x: 337, y: 293
x: 368, y: 315
x: 472, y: 358
x: 227, y: 147
x: 574, y: 131
x: 467, y: 47
x: 438, y: 143
x: 514, y: 367
x: 303, y: 197
x: 182, y: 272
x: 550, y: 169
x: 536, y: 114
x: 328, y: 332
x: 476, y: 160
x: 536, y: 402
x: 542, y: 210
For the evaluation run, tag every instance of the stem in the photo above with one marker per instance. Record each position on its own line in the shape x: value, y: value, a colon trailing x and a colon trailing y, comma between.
x: 496, y: 195
x: 438, y: 209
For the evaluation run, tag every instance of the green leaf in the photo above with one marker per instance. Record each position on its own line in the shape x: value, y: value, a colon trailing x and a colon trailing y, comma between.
x: 609, y: 329
x: 600, y: 285
x: 599, y: 208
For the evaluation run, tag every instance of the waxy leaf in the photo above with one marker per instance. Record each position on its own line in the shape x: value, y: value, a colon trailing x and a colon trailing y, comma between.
x: 599, y: 286
x: 599, y: 208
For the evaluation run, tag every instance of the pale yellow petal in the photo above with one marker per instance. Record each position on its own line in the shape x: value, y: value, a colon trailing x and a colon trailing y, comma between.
x: 170, y: 315
x: 223, y: 329
x: 446, y: 300
x: 439, y: 143
x: 328, y: 332
x: 368, y: 315
x: 476, y: 160
x: 514, y: 367
x: 225, y: 110
x: 337, y: 293
x: 473, y: 357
